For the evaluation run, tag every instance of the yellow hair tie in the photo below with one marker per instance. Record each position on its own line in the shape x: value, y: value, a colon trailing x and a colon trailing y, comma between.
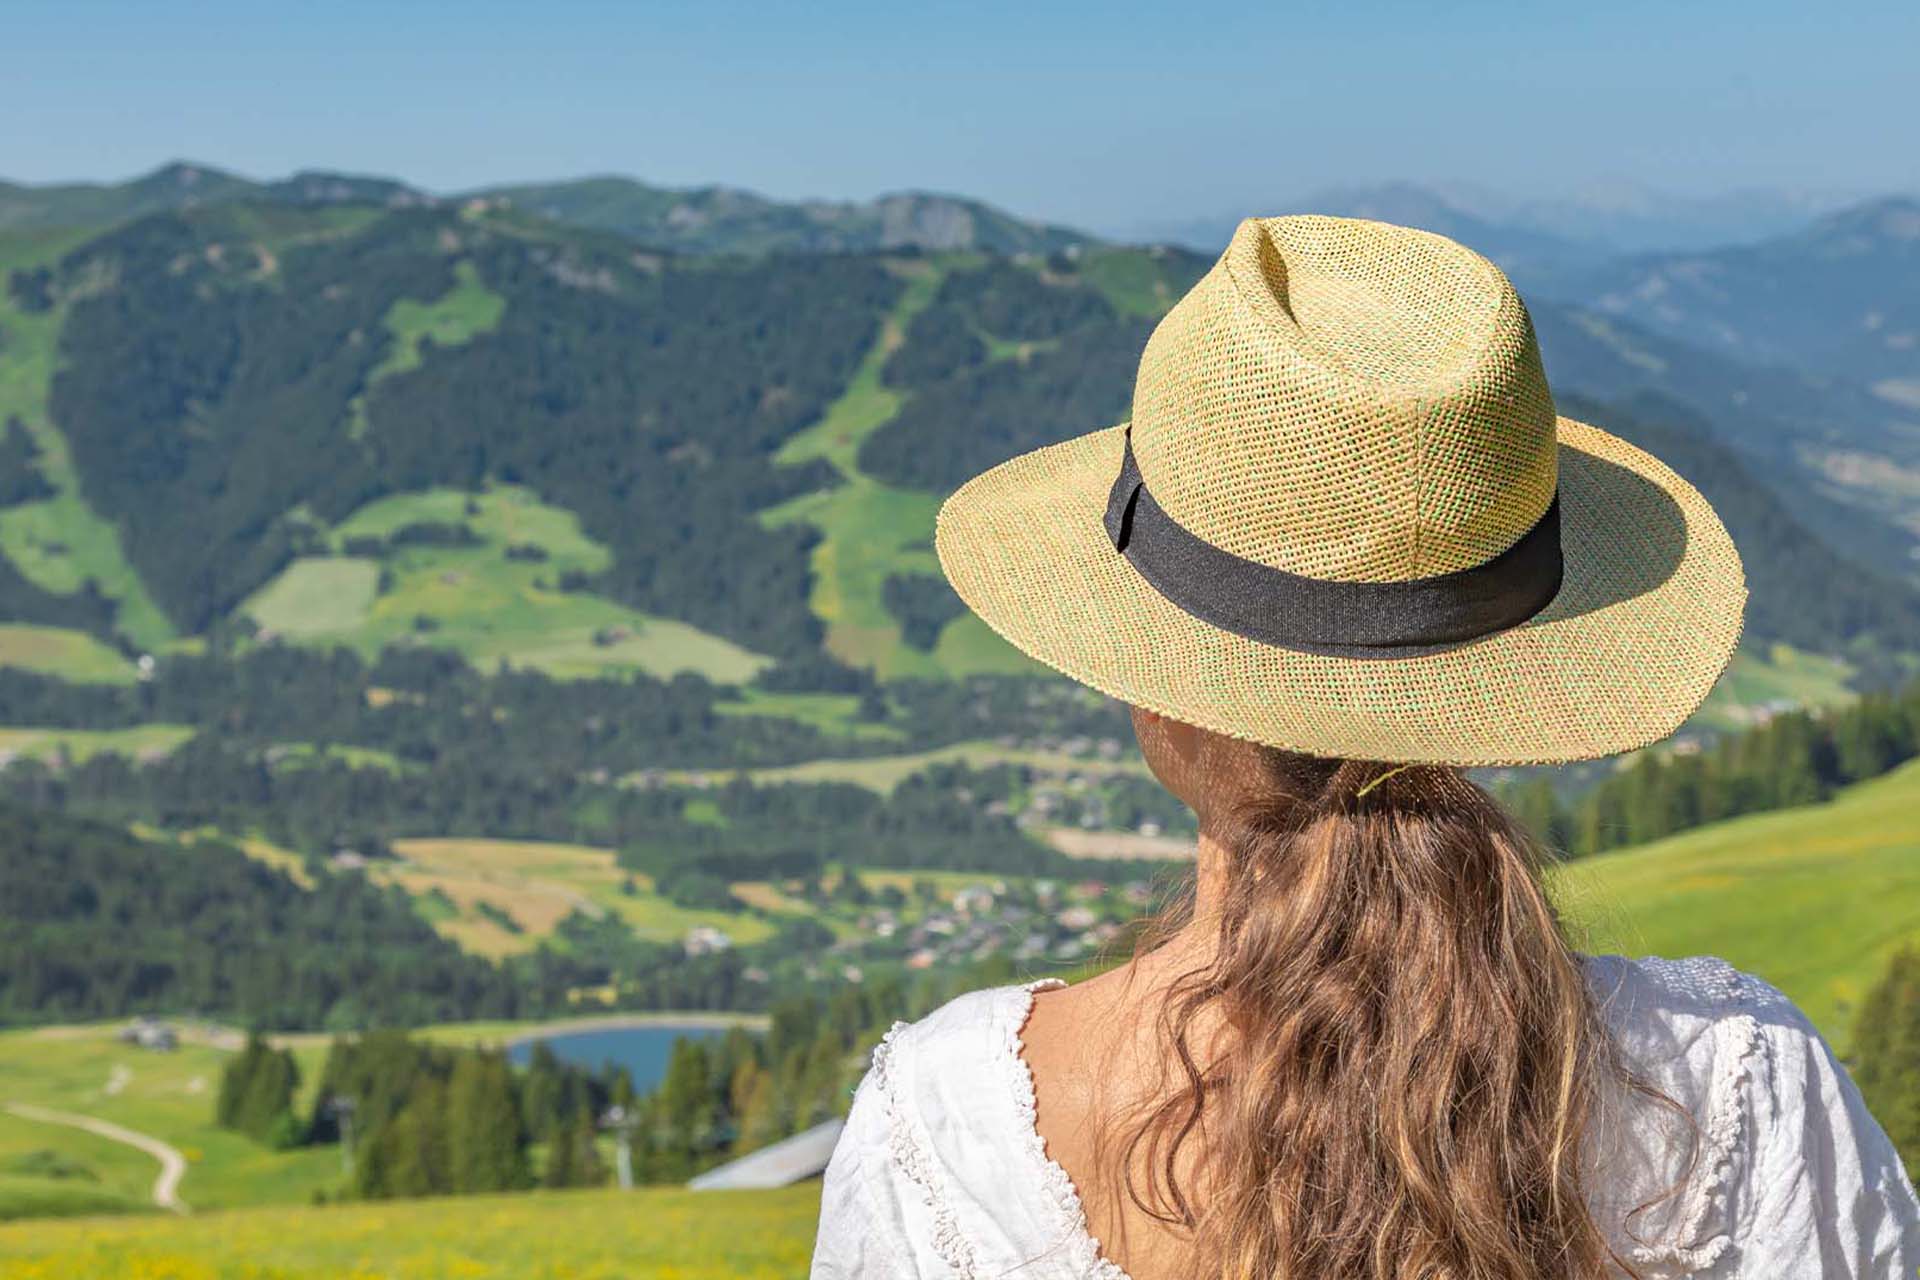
x: 1382, y: 778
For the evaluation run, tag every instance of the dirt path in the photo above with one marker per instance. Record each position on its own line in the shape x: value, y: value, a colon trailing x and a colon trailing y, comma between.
x: 173, y: 1165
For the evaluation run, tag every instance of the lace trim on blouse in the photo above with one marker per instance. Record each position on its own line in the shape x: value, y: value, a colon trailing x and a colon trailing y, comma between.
x: 1738, y: 1042
x: 904, y: 1146
x: 1060, y: 1191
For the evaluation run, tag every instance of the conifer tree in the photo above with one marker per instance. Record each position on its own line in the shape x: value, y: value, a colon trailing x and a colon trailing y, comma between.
x: 256, y: 1094
x: 573, y: 1159
x: 486, y: 1143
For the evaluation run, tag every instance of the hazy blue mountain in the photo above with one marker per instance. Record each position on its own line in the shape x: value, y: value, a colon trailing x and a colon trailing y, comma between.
x: 1534, y: 259
x: 1632, y: 218
x: 728, y: 220
x: 1601, y: 220
x: 1842, y: 459
x: 1840, y: 297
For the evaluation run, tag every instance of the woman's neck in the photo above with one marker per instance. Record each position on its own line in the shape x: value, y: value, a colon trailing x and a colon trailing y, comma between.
x: 1195, y: 943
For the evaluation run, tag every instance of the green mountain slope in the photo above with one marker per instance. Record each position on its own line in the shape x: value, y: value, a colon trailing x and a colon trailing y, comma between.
x: 752, y: 448
x: 1814, y: 900
x: 426, y: 349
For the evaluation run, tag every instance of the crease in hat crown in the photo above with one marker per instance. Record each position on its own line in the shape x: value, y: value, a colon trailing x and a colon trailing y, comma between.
x: 1348, y: 400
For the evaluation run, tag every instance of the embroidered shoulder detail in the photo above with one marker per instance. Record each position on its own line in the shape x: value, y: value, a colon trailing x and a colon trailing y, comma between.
x: 1058, y: 1187
x: 1705, y: 1231
x: 903, y: 1145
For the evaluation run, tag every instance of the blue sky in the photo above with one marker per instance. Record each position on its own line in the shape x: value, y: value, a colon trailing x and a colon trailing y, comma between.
x: 1102, y: 115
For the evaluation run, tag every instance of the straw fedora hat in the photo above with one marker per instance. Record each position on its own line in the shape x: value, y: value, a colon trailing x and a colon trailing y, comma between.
x: 1345, y: 519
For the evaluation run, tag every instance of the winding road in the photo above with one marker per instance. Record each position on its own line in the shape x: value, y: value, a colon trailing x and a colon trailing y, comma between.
x: 173, y: 1165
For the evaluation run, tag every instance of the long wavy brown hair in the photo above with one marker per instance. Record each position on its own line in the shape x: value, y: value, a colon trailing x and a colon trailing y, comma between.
x: 1404, y: 1059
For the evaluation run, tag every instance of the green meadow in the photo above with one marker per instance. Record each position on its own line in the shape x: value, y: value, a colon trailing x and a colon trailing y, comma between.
x: 462, y: 314
x: 142, y: 742
x: 479, y: 601
x: 1814, y: 900
x: 1811, y: 899
x: 56, y: 651
x: 870, y: 531
x: 538, y: 884
x: 58, y: 543
x: 85, y: 1070
x: 834, y: 714
x: 1780, y: 674
x: 655, y: 1234
x: 1139, y: 282
x: 884, y: 773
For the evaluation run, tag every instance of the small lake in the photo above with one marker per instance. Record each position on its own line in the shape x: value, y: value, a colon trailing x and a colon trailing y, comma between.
x: 641, y: 1050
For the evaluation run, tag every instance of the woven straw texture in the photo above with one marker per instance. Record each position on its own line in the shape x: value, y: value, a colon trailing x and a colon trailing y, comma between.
x: 1355, y: 401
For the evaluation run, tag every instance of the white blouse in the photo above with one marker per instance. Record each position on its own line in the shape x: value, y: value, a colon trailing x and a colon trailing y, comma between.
x: 940, y: 1171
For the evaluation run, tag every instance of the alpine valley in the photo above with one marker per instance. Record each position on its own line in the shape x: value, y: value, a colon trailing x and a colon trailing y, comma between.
x: 429, y: 609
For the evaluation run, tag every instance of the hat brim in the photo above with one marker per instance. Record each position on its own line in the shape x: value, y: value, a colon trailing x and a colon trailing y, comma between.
x: 1647, y: 617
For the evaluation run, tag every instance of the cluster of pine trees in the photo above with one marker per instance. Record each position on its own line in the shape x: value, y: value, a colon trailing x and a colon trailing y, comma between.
x: 256, y: 1095
x: 1798, y: 757
x: 96, y: 922
x: 723, y: 1098
x: 421, y: 1119
x: 417, y: 1118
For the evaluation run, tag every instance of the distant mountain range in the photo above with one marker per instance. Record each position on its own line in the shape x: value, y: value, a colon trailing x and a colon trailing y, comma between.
x: 1839, y: 297
x: 185, y: 186
x: 1802, y: 348
x: 1603, y: 220
x: 1834, y: 294
x: 728, y: 220
x: 1627, y: 217
x: 711, y: 219
x: 1528, y: 254
x: 1798, y: 353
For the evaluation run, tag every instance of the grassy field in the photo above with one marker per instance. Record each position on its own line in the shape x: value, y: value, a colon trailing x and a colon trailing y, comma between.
x: 1140, y: 282
x: 55, y: 651
x: 142, y: 741
x: 476, y: 600
x: 835, y: 714
x: 585, y: 1235
x: 1782, y: 674
x: 872, y: 530
x: 884, y: 773
x: 59, y: 542
x: 538, y: 885
x: 466, y: 311
x: 86, y: 1070
x: 49, y: 1169
x: 1812, y: 899
x: 317, y: 596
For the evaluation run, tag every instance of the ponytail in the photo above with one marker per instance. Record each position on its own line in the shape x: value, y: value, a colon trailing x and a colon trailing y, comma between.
x: 1388, y: 1066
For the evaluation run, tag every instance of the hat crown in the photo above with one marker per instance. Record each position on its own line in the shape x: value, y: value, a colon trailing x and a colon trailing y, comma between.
x: 1348, y: 400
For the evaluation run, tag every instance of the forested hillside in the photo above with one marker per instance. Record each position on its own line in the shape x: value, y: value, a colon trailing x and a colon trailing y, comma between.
x: 644, y: 396
x: 97, y: 923
x: 641, y: 394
